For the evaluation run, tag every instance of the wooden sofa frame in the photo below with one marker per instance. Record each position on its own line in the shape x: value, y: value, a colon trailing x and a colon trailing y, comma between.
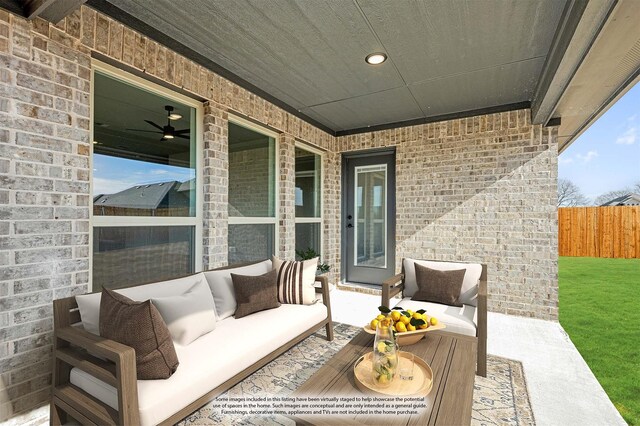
x: 395, y: 285
x: 73, y: 346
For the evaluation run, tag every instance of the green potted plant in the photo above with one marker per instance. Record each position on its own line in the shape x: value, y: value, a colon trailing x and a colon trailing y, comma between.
x: 310, y: 253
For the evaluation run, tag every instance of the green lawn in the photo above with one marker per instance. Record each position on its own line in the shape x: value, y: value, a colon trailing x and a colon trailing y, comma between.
x: 600, y: 309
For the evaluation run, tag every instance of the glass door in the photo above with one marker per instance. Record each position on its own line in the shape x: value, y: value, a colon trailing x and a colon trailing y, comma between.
x: 369, y: 218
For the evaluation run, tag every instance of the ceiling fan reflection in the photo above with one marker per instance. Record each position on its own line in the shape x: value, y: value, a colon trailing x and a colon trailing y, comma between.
x: 168, y: 132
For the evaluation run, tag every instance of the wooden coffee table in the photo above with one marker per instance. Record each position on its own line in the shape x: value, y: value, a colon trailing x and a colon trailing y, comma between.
x: 451, y: 357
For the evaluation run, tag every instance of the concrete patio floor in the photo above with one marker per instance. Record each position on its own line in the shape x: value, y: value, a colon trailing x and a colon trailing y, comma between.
x: 562, y: 388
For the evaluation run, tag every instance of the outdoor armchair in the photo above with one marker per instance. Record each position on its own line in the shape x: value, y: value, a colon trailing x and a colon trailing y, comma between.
x: 470, y: 319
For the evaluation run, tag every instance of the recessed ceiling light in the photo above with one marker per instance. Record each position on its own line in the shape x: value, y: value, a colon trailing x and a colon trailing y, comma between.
x: 174, y: 116
x: 376, y: 58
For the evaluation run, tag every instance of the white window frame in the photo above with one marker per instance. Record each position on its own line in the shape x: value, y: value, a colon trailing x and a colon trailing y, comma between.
x: 245, y: 220
x: 319, y: 220
x: 149, y: 221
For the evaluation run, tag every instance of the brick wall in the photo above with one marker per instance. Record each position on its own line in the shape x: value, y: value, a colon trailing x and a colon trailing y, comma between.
x: 478, y: 189
x: 45, y: 201
x: 45, y: 73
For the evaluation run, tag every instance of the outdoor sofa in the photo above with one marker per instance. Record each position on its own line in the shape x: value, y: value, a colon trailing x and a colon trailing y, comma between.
x: 94, y: 379
x: 470, y: 319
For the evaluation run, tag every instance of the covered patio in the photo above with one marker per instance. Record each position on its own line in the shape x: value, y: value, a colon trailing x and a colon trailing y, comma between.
x: 144, y: 141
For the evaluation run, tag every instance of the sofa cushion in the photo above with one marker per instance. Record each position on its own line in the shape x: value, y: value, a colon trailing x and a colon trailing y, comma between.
x: 469, y: 291
x: 189, y: 315
x: 438, y: 286
x: 255, y: 293
x: 139, y: 326
x: 295, y: 280
x: 89, y: 304
x: 461, y: 320
x: 211, y: 360
x: 222, y: 287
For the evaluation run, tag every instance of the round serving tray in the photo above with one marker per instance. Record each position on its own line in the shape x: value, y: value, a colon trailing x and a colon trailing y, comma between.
x: 419, y: 386
x: 409, y: 337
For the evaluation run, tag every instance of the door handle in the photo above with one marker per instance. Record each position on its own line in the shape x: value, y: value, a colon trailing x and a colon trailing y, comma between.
x: 349, y: 225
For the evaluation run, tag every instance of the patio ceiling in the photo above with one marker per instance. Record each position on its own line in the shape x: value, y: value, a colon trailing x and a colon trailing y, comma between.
x: 444, y: 57
x: 564, y: 59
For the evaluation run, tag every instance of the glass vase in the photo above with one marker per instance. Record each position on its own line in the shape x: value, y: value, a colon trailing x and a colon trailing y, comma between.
x: 385, y: 354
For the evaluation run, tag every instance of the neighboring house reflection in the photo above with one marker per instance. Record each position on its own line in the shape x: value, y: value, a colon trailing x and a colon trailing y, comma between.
x: 171, y: 198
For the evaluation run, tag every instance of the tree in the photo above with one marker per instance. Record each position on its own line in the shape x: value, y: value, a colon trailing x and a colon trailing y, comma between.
x: 569, y: 195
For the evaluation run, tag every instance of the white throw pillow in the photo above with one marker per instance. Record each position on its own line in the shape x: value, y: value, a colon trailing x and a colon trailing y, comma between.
x: 295, y: 280
x: 189, y: 315
x: 89, y: 304
x: 222, y: 287
x: 469, y: 291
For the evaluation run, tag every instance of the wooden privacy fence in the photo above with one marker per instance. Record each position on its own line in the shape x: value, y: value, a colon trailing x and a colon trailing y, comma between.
x: 599, y: 231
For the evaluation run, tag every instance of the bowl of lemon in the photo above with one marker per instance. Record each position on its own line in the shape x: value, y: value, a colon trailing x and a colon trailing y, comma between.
x: 410, y: 326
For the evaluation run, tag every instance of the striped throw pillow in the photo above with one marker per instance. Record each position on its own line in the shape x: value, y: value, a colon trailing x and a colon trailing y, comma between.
x: 295, y: 281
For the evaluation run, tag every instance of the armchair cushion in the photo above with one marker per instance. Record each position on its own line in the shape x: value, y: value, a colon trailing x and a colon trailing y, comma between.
x: 469, y: 291
x: 438, y: 286
x: 461, y: 320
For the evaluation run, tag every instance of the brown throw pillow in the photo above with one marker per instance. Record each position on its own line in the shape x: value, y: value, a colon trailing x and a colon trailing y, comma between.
x: 140, y: 326
x: 438, y: 286
x: 255, y: 293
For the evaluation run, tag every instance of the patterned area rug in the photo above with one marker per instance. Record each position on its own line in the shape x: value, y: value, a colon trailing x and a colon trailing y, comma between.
x: 499, y: 399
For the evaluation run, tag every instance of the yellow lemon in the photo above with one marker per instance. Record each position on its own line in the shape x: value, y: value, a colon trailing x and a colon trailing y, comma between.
x: 380, y: 317
x: 374, y: 324
x: 423, y: 326
x: 382, y: 379
x: 386, y: 322
x: 411, y: 328
x: 382, y: 347
x: 395, y: 315
x: 400, y: 327
x: 434, y: 321
x: 410, y: 312
x: 417, y: 316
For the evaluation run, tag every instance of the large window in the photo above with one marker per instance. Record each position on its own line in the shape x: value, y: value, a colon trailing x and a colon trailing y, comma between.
x: 145, y: 181
x: 252, y: 192
x: 308, y: 200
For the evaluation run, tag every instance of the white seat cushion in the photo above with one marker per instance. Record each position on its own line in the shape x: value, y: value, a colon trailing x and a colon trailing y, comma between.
x: 89, y: 304
x: 469, y: 291
x: 212, y: 359
x: 458, y: 320
x: 222, y: 286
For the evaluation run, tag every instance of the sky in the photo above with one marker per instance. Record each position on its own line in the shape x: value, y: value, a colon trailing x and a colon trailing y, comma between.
x: 111, y: 174
x: 606, y: 157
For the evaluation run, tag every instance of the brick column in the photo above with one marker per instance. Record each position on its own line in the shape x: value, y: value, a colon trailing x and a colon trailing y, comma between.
x: 44, y: 198
x: 287, y: 195
x: 216, y: 181
x: 332, y: 197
